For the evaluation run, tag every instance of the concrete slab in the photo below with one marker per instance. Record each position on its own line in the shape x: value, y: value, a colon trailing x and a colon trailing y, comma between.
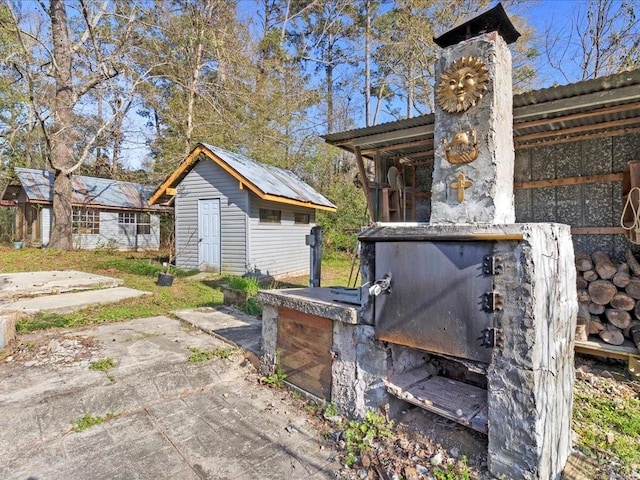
x: 7, y: 329
x: 228, y: 324
x: 171, y: 418
x: 15, y: 285
x: 70, y: 302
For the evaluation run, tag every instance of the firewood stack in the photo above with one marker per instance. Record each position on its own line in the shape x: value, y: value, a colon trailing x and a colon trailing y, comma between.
x: 608, y: 298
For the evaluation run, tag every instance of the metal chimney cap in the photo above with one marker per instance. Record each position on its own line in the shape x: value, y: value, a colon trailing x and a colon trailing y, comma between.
x: 492, y: 20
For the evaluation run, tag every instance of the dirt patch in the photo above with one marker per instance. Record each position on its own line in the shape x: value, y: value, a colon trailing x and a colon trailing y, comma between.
x: 53, y: 350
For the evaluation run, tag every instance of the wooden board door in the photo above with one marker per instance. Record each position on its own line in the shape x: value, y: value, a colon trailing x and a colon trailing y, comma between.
x: 304, y: 346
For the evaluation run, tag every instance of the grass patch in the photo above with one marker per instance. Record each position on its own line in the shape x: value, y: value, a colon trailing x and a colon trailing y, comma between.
x: 276, y: 379
x: 88, y: 421
x: 249, y: 285
x: 458, y: 470
x: 608, y: 421
x: 103, y: 364
x: 198, y: 355
x: 360, y: 434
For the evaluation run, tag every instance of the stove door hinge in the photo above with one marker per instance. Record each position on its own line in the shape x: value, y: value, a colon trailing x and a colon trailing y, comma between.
x: 492, y: 301
x: 491, y: 337
x: 492, y: 264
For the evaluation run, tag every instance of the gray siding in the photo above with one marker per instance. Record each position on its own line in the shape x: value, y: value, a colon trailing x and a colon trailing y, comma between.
x: 208, y: 181
x: 111, y: 237
x: 278, y: 249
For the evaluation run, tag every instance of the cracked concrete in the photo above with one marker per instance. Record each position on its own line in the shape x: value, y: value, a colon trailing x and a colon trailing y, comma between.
x: 172, y: 418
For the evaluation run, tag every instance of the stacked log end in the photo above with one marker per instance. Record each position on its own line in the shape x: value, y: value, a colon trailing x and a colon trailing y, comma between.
x: 608, y: 297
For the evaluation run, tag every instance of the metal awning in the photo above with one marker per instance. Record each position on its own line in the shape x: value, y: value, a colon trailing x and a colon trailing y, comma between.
x: 599, y: 108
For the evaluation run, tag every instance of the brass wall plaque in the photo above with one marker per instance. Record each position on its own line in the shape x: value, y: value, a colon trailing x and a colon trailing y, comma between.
x: 461, y: 184
x: 463, y: 148
x: 462, y: 84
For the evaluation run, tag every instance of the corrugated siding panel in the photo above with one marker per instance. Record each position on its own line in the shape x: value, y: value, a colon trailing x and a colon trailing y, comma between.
x: 208, y: 181
x: 279, y: 249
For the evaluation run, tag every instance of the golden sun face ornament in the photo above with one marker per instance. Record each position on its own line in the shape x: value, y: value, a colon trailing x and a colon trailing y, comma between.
x: 462, y: 84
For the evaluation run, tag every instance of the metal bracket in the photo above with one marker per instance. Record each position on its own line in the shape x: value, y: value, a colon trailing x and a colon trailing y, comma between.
x: 492, y: 301
x: 490, y: 337
x: 492, y: 265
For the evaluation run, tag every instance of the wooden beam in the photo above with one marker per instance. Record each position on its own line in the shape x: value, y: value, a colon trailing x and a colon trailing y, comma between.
x: 402, y: 134
x: 365, y: 181
x: 171, y: 191
x: 597, y: 231
x: 297, y: 203
x: 417, y: 143
x: 561, y: 182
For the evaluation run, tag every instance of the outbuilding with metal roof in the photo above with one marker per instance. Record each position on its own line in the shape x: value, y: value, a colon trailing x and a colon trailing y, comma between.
x: 106, y: 213
x: 236, y: 215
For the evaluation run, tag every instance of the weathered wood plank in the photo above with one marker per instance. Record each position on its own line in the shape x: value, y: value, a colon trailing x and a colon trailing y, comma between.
x: 304, y: 343
x: 451, y: 399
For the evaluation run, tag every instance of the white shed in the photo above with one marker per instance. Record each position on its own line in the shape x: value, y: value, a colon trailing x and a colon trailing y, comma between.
x: 236, y: 215
x: 106, y: 213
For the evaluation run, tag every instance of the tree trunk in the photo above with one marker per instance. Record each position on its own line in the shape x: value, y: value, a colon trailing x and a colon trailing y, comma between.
x: 590, y: 275
x: 583, y: 313
x: 634, y: 334
x: 595, y: 325
x: 627, y: 331
x: 583, y: 261
x: 611, y: 335
x: 619, y: 318
x: 633, y: 289
x: 622, y: 277
x: 622, y: 301
x: 596, y: 309
x: 583, y: 296
x: 603, y: 265
x: 632, y: 262
x: 581, y: 283
x: 61, y: 138
x: 602, y: 291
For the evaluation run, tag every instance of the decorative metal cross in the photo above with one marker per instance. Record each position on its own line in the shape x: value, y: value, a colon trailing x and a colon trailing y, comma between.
x: 460, y: 185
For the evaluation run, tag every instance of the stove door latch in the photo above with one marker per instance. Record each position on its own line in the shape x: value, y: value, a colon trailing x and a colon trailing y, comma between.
x: 490, y: 337
x: 492, y: 301
x: 381, y: 286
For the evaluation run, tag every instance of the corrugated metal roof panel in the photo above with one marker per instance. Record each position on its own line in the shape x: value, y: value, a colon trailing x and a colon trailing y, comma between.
x: 269, y: 179
x: 603, y: 106
x: 89, y: 191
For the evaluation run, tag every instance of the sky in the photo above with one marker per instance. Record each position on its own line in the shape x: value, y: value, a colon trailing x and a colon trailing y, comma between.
x: 543, y: 15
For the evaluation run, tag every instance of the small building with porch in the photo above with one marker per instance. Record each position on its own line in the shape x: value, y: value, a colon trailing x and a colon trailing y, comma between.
x: 106, y: 213
x: 236, y: 215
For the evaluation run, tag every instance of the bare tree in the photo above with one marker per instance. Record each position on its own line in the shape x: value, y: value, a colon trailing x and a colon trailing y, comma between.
x: 76, y: 48
x: 603, y: 38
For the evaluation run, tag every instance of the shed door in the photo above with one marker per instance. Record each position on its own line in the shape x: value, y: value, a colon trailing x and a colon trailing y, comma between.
x: 209, y: 235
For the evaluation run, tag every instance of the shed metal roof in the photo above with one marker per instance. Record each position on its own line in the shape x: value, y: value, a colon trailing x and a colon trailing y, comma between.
x: 266, y: 181
x: 597, y: 108
x: 86, y: 191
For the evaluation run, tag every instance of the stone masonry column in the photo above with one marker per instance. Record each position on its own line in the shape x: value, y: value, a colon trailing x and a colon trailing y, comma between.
x: 473, y: 140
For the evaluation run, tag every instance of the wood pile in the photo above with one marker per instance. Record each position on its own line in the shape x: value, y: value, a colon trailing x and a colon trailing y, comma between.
x: 608, y: 298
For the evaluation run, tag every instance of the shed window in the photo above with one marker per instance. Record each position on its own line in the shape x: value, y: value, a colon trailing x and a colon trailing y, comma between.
x: 85, y: 221
x: 134, y: 223
x: 144, y: 224
x: 302, y: 218
x: 268, y: 215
